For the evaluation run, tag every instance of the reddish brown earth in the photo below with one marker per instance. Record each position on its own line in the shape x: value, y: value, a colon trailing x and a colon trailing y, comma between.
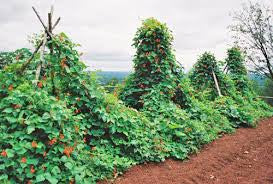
x: 245, y: 157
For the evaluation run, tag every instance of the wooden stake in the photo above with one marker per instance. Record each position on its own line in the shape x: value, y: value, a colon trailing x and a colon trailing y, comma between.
x: 56, y: 23
x: 52, y: 10
x: 216, y: 83
x: 268, y: 97
x: 46, y: 29
x: 41, y: 63
x: 24, y: 66
x: 50, y: 22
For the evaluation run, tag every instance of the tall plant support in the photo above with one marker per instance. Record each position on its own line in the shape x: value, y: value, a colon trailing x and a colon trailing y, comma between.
x: 48, y: 35
x: 216, y: 83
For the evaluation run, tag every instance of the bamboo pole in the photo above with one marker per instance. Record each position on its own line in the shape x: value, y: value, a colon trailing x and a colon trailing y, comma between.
x: 46, y: 29
x: 56, y: 23
x: 24, y: 66
x: 41, y: 63
x: 268, y: 97
x: 216, y: 83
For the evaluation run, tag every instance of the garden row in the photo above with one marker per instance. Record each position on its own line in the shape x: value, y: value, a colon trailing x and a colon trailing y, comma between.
x: 58, y: 125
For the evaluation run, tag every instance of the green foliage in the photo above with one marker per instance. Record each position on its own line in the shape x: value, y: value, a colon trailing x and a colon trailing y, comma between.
x: 67, y: 102
x: 36, y: 129
x: 202, y: 76
x: 64, y: 128
x: 11, y: 57
x: 154, y: 64
x: 159, y: 88
x: 238, y: 103
x: 111, y: 84
x: 236, y: 69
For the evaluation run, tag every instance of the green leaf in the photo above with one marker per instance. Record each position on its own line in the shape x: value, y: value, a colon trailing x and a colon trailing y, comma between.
x: 30, y: 129
x: 11, y: 119
x: 67, y: 69
x: 68, y: 165
x: 3, y: 177
x: 97, y: 133
x: 10, y: 153
x: 32, y: 161
x: 180, y: 134
x: 55, y: 170
x: 40, y: 178
x: 8, y: 110
x: 52, y: 180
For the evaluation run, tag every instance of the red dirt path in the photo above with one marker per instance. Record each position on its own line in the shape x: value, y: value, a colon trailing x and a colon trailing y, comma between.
x: 245, y: 157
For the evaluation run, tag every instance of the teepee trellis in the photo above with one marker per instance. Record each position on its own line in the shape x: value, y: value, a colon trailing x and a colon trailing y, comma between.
x: 48, y: 35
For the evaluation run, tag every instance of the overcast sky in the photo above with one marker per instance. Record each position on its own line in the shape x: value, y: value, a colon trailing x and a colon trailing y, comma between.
x: 105, y: 28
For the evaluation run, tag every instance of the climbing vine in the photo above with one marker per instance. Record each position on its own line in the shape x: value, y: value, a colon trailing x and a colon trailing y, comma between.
x: 58, y: 125
x: 236, y: 69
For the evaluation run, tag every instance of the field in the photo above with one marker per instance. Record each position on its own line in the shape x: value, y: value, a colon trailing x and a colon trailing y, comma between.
x: 59, y: 124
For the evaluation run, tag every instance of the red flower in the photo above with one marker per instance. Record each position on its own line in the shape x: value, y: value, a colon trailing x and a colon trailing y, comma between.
x: 24, y: 160
x: 68, y: 150
x: 61, y: 136
x: 162, y: 51
x: 52, y: 141
x: 77, y: 111
x: 4, y: 153
x: 10, y: 87
x: 32, y: 170
x: 63, y: 63
x: 17, y: 106
x: 40, y: 84
x: 76, y: 129
x: 18, y: 57
x: 142, y: 86
x: 34, y: 144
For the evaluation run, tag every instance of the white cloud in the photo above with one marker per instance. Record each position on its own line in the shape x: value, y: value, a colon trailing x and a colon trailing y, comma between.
x: 105, y: 29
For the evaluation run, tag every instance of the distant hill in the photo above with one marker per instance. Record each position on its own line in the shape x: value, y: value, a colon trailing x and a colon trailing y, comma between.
x: 105, y: 76
x: 259, y: 79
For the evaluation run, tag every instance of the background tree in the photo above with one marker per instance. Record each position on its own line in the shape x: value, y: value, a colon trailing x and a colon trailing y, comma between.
x: 253, y: 28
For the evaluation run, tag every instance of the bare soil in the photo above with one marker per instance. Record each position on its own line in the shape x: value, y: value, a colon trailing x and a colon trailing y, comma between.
x: 245, y: 157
